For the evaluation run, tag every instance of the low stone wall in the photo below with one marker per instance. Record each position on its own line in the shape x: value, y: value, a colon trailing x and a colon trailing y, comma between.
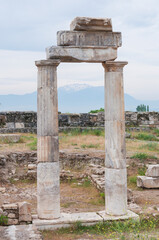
x: 17, y: 213
x: 15, y: 164
x: 11, y: 122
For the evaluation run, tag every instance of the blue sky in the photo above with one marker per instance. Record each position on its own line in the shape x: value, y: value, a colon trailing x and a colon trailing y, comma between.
x: 28, y: 27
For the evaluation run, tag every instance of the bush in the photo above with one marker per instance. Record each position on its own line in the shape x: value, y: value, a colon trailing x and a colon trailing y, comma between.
x: 143, y: 156
x: 97, y: 110
x: 3, y: 220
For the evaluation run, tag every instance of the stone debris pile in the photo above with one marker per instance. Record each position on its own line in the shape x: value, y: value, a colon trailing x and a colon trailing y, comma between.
x: 17, y: 213
x: 151, y: 178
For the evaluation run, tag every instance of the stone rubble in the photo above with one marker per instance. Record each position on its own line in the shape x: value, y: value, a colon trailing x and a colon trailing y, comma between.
x: 17, y: 213
x: 151, y: 178
x: 96, y: 173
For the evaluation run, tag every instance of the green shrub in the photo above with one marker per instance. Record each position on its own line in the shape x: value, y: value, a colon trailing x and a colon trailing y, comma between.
x: 97, y: 110
x: 3, y: 220
x: 146, y: 137
x: 143, y: 156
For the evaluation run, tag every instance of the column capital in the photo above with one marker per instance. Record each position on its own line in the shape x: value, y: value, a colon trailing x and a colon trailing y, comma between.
x: 111, y: 66
x: 51, y: 62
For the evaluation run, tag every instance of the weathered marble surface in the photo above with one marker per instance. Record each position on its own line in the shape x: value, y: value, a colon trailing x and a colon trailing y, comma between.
x: 81, y: 54
x: 48, y: 149
x: 114, y: 115
x: 86, y: 219
x: 72, y: 38
x: 153, y: 171
x: 91, y: 24
x: 48, y: 190
x: 115, y: 191
x: 47, y: 108
x: 148, y: 182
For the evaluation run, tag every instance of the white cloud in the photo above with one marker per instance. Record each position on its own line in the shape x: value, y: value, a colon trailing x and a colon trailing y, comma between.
x: 32, y: 25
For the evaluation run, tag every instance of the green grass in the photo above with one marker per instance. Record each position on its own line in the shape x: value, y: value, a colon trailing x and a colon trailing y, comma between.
x: 78, y: 131
x: 156, y: 132
x: 74, y: 144
x: 90, y: 146
x: 33, y: 144
x: 150, y: 146
x: 146, y: 137
x: 143, y: 156
x: 112, y: 229
x: 132, y: 179
x: 67, y: 205
x: 3, y: 220
x: 142, y: 171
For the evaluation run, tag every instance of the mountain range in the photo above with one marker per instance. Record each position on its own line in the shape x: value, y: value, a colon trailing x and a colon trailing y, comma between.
x: 75, y: 98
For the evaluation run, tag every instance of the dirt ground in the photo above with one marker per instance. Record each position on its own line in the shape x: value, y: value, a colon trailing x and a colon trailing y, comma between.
x: 80, y: 195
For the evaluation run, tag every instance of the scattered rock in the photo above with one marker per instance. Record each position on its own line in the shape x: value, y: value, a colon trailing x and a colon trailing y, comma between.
x: 2, y: 189
x: 24, y: 212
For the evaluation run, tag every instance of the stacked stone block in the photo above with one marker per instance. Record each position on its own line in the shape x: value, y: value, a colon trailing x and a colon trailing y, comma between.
x: 151, y: 178
x: 89, y: 40
x: 17, y: 213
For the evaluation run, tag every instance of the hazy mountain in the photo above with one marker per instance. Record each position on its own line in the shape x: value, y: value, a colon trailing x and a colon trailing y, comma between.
x: 76, y: 98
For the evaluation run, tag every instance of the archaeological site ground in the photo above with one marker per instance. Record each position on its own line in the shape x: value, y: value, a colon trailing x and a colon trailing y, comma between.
x: 80, y: 176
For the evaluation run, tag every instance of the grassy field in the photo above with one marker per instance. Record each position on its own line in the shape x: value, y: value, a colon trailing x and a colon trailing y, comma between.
x: 140, y: 145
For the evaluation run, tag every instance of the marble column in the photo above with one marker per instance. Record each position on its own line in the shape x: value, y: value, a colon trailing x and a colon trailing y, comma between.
x: 115, y: 151
x: 48, y: 183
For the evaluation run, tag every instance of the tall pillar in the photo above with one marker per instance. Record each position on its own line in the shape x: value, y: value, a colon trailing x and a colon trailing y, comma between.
x: 48, y: 184
x: 115, y: 151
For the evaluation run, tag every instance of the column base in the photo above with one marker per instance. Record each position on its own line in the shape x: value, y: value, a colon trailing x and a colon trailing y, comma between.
x: 48, y: 190
x: 115, y: 191
x: 86, y: 219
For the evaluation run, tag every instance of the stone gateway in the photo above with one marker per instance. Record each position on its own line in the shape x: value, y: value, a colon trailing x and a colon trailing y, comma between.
x: 89, y: 40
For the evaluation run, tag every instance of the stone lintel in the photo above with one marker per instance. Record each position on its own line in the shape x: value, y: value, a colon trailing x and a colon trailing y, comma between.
x: 91, y: 24
x: 111, y: 66
x: 81, y: 54
x: 84, y: 38
x: 52, y: 62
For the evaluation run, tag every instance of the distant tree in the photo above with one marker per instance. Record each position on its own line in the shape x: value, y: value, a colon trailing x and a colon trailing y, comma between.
x: 97, y: 110
x: 148, y: 109
x: 142, y: 108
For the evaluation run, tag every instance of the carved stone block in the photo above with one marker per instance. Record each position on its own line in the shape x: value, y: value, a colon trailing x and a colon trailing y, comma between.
x: 70, y: 38
x: 81, y: 54
x: 91, y: 24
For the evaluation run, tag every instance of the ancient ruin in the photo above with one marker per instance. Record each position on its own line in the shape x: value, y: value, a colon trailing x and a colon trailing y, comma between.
x: 89, y: 40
